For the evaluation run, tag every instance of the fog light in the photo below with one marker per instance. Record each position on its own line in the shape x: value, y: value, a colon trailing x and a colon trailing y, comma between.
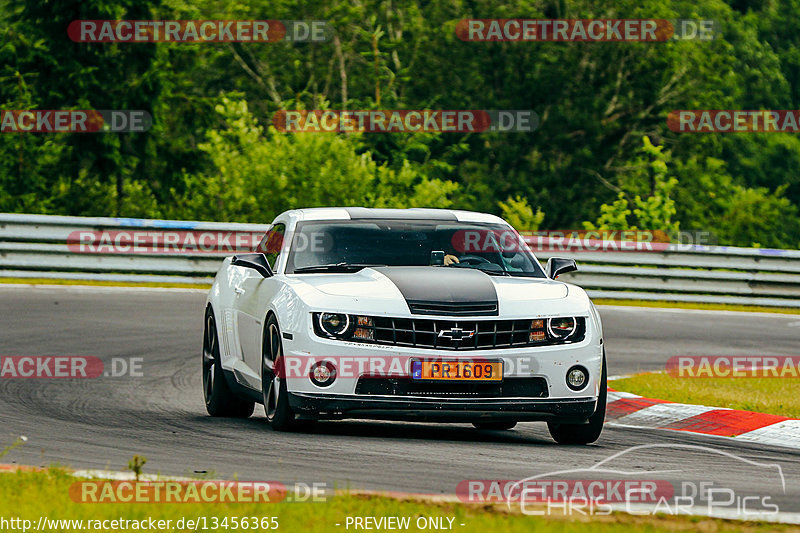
x: 577, y: 377
x: 323, y: 373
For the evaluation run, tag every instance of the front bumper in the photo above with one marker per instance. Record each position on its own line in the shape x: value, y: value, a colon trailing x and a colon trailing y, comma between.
x: 550, y: 363
x: 333, y: 406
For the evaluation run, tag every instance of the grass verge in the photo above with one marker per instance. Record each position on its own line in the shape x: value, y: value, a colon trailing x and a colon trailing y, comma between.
x: 777, y: 396
x: 30, y: 495
x: 698, y: 305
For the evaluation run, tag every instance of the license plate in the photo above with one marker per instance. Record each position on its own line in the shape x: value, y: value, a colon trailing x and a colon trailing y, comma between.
x: 457, y: 370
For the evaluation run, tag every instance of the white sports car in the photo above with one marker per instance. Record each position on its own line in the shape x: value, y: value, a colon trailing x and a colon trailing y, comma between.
x: 403, y: 314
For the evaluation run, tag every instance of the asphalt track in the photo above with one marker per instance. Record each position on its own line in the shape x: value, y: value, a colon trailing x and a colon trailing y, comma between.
x: 101, y: 423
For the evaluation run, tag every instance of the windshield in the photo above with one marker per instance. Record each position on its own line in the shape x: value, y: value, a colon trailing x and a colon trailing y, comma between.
x: 346, y: 245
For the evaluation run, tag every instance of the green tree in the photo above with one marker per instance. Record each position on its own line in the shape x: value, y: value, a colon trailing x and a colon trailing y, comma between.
x: 43, y: 69
x: 517, y: 212
x: 258, y: 172
x: 646, y: 180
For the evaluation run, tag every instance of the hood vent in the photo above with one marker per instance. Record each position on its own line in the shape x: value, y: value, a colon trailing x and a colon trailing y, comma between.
x: 453, y: 308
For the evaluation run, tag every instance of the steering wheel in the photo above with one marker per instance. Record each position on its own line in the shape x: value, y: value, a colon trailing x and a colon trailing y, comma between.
x: 473, y: 260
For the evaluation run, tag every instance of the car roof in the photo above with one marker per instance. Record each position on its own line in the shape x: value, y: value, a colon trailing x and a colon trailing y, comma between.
x: 365, y: 213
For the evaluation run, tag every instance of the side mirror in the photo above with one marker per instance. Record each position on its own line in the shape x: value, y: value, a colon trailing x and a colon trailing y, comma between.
x: 257, y: 262
x: 559, y: 265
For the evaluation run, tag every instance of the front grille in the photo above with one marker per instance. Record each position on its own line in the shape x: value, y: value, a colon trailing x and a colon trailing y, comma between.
x: 475, y: 334
x: 509, y: 388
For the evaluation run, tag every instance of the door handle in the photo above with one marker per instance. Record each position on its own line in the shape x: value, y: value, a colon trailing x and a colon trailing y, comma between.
x: 238, y: 290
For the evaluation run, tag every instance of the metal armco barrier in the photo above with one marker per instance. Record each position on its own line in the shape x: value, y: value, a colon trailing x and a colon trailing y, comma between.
x: 42, y: 246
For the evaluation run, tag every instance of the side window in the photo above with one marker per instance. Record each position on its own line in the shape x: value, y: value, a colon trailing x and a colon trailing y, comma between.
x: 271, y: 243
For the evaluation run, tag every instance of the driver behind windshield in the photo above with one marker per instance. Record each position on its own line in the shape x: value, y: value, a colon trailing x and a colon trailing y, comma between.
x: 450, y: 259
x: 318, y: 244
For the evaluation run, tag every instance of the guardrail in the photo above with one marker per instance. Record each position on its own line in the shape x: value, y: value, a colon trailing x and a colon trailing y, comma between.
x: 42, y: 246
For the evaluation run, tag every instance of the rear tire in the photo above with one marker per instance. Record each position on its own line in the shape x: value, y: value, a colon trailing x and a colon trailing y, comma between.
x: 220, y: 399
x: 584, y: 433
x: 494, y: 426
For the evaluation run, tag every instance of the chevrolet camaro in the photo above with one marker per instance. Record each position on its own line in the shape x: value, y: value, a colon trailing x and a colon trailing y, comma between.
x: 403, y: 314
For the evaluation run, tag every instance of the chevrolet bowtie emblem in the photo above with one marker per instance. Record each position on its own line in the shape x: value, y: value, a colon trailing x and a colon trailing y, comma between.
x: 456, y: 334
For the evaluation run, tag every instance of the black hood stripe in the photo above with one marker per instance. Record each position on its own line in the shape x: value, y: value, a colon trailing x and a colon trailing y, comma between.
x: 443, y: 290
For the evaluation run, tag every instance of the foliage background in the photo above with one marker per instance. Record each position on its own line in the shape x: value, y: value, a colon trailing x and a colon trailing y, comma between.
x: 602, y: 156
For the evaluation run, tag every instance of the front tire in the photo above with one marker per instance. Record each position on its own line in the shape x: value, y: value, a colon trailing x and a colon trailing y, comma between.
x: 273, y: 380
x: 220, y: 399
x: 584, y: 433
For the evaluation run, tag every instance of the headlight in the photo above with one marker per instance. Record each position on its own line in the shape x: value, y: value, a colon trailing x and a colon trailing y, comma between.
x: 344, y: 327
x: 334, y: 324
x: 561, y: 328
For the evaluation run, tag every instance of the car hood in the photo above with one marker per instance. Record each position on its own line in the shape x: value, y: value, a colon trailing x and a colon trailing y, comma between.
x: 393, y: 290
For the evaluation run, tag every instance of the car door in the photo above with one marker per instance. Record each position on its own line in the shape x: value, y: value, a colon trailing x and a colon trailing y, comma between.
x: 253, y: 293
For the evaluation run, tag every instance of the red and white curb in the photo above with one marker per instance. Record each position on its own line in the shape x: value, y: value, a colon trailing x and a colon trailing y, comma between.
x: 630, y: 410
